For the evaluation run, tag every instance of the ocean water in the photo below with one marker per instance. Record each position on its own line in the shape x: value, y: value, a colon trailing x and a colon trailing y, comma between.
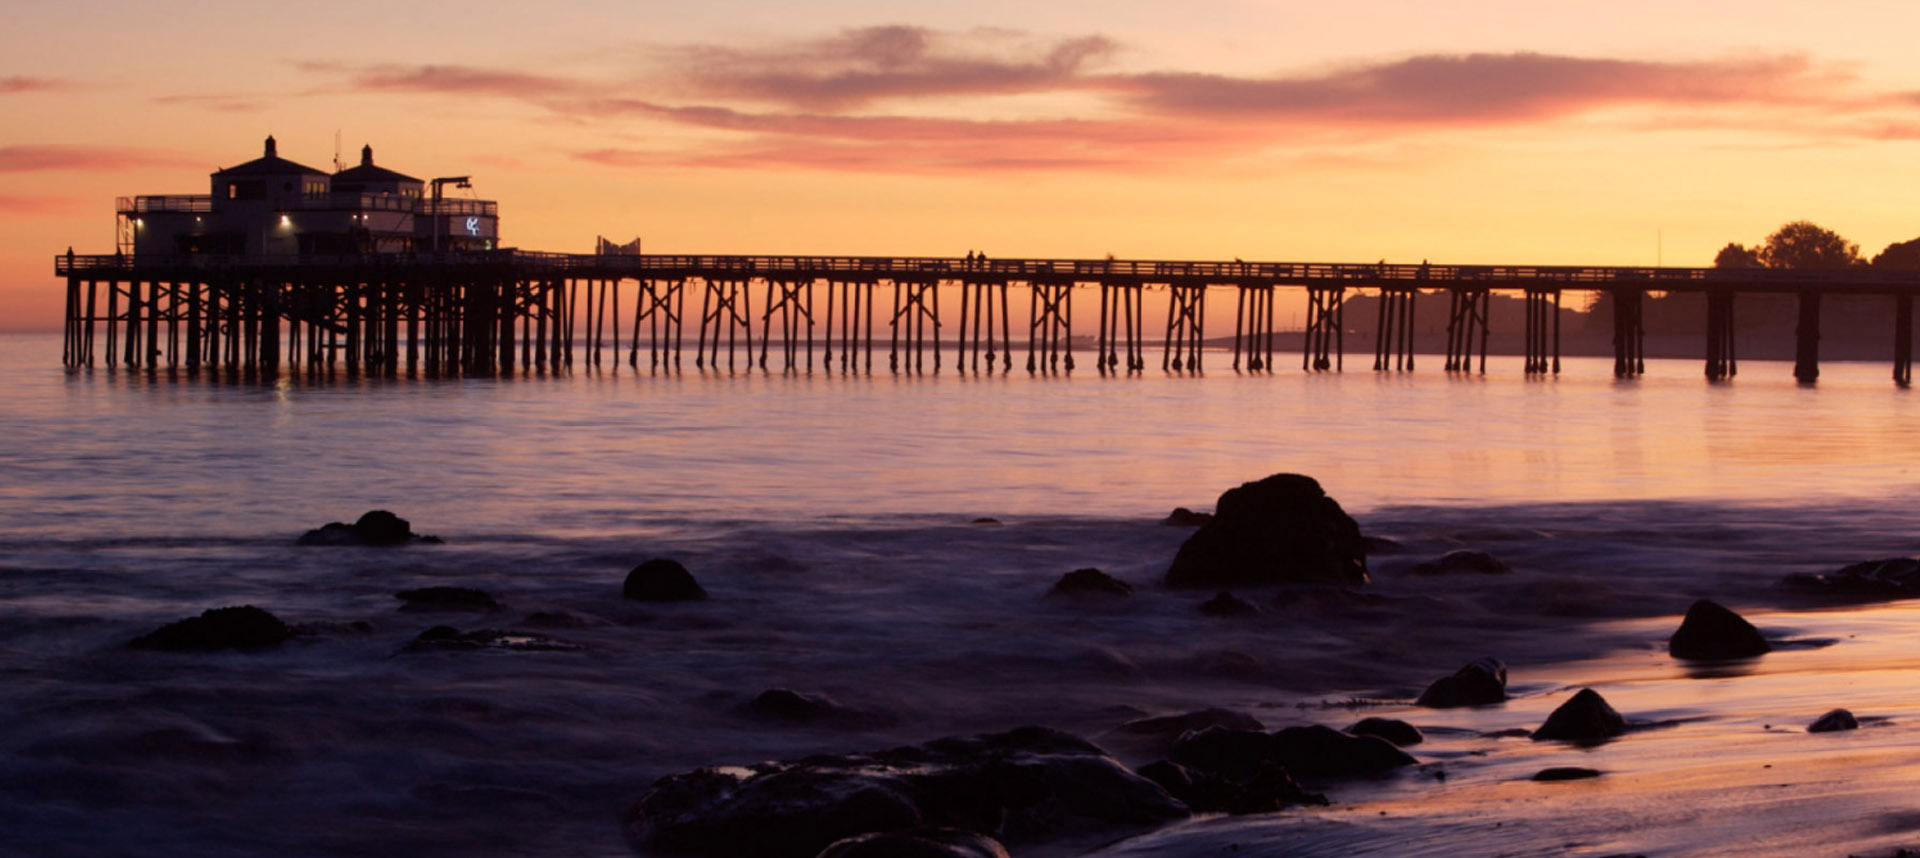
x: 882, y: 540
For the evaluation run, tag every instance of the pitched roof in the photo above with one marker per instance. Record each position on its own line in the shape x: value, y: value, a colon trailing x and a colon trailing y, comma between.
x: 367, y: 173
x: 270, y: 164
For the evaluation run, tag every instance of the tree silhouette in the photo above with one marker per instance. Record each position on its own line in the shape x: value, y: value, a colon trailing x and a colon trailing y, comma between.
x: 1804, y: 244
x: 1736, y: 255
x: 1900, y: 256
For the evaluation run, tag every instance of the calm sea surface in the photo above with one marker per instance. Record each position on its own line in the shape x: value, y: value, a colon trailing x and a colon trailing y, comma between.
x: 833, y: 518
x: 134, y: 454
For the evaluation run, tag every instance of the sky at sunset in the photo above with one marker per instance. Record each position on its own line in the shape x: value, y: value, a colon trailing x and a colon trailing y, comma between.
x: 1571, y: 132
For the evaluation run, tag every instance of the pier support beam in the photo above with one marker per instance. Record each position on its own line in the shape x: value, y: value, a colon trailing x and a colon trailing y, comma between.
x: 1903, y: 339
x: 1325, y: 344
x: 1253, y: 327
x: 1721, y: 363
x: 1393, y: 332
x: 723, y: 315
x: 981, y: 302
x: 659, y: 306
x: 1466, y: 319
x: 792, y: 301
x: 916, y: 306
x: 1806, y: 337
x: 1050, y: 338
x: 850, y: 324
x: 1629, y: 333
x: 1186, y: 327
x: 1543, y: 331
x: 1120, y: 317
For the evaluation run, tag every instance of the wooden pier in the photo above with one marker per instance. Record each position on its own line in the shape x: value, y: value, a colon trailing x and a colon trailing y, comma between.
x: 489, y: 313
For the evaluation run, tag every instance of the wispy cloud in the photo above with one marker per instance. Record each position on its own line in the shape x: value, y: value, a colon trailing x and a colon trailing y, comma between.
x: 911, y: 98
x: 35, y: 158
x: 858, y: 67
x: 16, y: 84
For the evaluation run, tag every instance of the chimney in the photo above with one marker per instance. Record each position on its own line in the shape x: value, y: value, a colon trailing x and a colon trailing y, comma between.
x: 366, y: 155
x: 272, y: 150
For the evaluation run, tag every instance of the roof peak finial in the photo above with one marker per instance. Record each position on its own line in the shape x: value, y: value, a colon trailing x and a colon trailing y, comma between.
x: 366, y: 155
x: 272, y: 150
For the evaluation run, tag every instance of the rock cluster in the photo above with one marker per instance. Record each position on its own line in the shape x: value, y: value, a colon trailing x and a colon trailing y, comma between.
x: 1022, y: 785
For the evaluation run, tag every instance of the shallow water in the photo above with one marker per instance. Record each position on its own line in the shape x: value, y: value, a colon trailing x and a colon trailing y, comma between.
x: 833, y: 519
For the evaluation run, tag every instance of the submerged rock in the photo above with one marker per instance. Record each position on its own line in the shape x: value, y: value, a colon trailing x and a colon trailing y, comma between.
x: 1174, y: 725
x: 1183, y: 517
x: 1282, y: 529
x: 1462, y: 561
x: 1314, y: 752
x: 1585, y: 717
x: 1481, y: 682
x: 446, y: 599
x: 1090, y: 582
x: 918, y: 843
x: 1269, y: 788
x: 1400, y: 733
x: 1892, y: 578
x: 1710, y: 631
x: 1833, y: 722
x: 1226, y: 604
x: 1022, y: 785
x: 239, y: 627
x: 376, y: 528
x: 662, y: 580
x: 784, y: 705
x: 1565, y: 773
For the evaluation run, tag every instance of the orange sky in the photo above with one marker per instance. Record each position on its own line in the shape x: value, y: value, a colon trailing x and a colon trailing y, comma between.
x: 1621, y: 132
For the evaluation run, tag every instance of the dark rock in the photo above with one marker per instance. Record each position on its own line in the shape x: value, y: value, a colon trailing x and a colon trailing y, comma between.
x: 241, y: 627
x: 1022, y: 785
x: 1090, y: 582
x: 376, y: 528
x: 1585, y: 717
x: 918, y: 843
x: 1313, y: 753
x: 450, y: 638
x: 985, y: 521
x: 1462, y: 561
x: 662, y: 580
x: 1228, y: 605
x: 1282, y: 529
x: 1565, y: 773
x: 1183, y: 517
x: 1892, y: 578
x: 446, y: 599
x: 1710, y: 631
x: 1400, y: 733
x: 1481, y: 682
x: 1837, y: 720
x: 1174, y: 725
x: 784, y: 705
x: 1268, y: 789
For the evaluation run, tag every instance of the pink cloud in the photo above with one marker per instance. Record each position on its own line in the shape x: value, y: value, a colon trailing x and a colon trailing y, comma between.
x: 860, y: 66
x: 842, y: 102
x: 1480, y: 88
x: 35, y: 158
x: 13, y: 85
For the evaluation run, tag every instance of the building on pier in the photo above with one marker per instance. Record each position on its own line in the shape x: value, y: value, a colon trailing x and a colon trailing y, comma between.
x: 273, y: 207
